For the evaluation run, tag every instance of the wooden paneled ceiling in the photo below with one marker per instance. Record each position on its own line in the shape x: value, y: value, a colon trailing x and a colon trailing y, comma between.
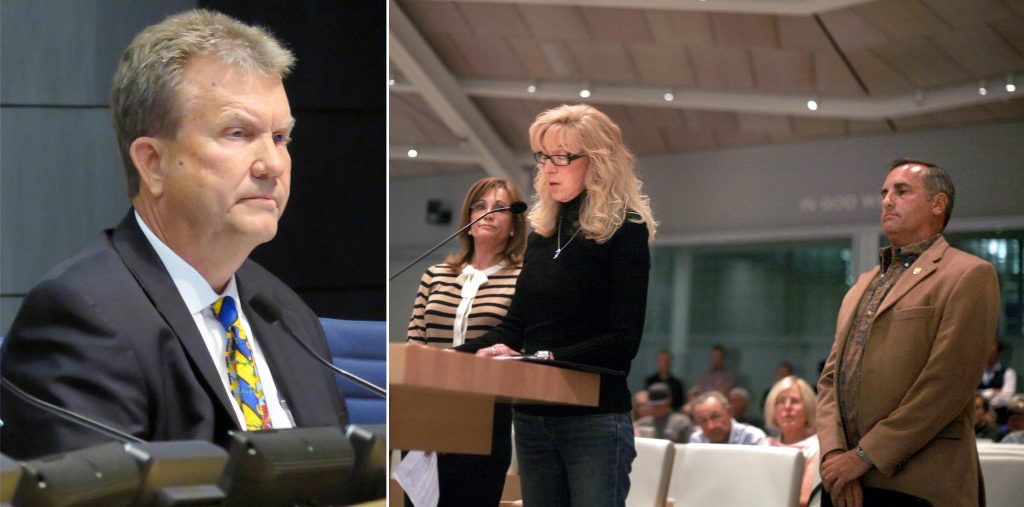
x: 469, y: 76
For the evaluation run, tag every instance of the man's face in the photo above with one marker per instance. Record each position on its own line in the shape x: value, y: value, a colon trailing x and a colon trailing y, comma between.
x: 717, y: 359
x: 227, y: 172
x: 664, y: 361
x: 909, y: 215
x: 738, y: 403
x: 714, y: 420
x: 979, y: 411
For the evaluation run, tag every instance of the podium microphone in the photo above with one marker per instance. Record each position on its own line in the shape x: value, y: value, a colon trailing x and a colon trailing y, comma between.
x: 67, y: 415
x: 517, y: 208
x: 272, y: 315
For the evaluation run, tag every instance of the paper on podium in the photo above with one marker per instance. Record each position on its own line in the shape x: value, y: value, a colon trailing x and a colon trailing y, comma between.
x: 417, y: 474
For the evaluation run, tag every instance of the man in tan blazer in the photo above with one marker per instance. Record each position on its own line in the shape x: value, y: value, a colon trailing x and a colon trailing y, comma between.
x: 897, y: 390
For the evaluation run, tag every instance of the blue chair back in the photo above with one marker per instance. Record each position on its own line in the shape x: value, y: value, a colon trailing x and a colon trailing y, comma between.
x: 360, y: 347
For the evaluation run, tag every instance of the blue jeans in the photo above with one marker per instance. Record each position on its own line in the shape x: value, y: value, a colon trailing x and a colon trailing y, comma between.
x: 580, y: 461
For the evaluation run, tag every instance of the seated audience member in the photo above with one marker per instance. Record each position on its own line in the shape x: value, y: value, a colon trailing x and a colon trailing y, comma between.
x: 719, y: 377
x: 664, y: 375
x: 739, y: 400
x: 998, y: 383
x: 1014, y: 421
x: 790, y: 409
x: 641, y: 407
x: 783, y: 370
x: 662, y: 422
x: 691, y: 398
x: 716, y: 425
x: 985, y: 427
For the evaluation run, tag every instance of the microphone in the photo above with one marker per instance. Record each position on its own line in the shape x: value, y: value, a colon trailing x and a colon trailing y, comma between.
x: 272, y: 315
x: 67, y: 415
x: 517, y: 208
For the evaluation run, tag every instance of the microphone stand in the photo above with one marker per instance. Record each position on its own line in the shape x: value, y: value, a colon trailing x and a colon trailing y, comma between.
x: 512, y: 208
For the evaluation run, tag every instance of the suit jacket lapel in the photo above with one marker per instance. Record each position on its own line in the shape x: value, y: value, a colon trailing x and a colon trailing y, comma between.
x: 292, y: 368
x: 856, y: 294
x: 925, y: 265
x: 145, y: 265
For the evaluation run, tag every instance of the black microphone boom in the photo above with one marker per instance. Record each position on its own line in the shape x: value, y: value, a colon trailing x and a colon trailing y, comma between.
x: 68, y: 415
x: 517, y: 208
x: 272, y: 315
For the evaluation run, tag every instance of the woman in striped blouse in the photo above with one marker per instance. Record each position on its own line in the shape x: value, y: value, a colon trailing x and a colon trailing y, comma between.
x: 462, y: 298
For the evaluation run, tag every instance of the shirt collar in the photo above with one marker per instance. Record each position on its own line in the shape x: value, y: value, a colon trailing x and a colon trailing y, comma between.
x: 906, y: 254
x: 194, y: 289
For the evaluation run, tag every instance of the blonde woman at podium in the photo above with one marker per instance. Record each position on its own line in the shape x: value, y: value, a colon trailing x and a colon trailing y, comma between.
x: 581, y: 298
x: 462, y: 298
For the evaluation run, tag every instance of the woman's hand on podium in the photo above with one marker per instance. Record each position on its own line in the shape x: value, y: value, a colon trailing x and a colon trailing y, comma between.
x: 497, y: 350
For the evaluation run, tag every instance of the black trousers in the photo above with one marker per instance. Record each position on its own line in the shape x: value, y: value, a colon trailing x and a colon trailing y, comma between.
x: 876, y: 497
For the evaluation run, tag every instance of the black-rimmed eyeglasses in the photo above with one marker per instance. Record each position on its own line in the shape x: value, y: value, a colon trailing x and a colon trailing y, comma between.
x: 558, y: 160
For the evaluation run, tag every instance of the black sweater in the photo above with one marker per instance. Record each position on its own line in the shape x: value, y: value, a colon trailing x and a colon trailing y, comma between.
x: 587, y: 306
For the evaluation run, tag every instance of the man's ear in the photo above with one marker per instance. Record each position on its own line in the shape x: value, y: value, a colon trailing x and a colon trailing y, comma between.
x: 146, y: 154
x: 940, y: 204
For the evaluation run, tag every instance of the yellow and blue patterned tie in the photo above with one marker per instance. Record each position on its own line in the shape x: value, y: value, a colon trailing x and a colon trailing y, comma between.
x: 243, y: 379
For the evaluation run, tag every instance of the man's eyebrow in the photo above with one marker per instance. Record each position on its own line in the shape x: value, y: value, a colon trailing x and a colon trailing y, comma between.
x: 288, y: 124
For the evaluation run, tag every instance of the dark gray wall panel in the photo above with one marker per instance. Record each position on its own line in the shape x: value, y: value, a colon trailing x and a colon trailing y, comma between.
x: 65, y: 52
x: 61, y: 185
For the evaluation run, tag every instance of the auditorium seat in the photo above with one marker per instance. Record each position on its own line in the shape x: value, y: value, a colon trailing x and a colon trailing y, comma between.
x: 1002, y: 466
x: 652, y: 469
x: 360, y: 347
x: 994, y: 449
x: 735, y: 475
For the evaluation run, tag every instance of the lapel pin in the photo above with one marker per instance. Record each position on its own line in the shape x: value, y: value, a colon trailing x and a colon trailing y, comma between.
x: 917, y: 271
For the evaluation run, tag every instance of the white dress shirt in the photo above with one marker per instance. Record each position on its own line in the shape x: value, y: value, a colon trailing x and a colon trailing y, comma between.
x: 199, y: 298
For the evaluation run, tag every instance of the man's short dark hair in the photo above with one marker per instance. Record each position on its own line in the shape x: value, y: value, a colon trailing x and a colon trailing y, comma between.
x: 936, y: 180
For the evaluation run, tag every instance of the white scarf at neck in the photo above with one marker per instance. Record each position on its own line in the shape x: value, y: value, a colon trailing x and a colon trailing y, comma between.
x: 471, y: 279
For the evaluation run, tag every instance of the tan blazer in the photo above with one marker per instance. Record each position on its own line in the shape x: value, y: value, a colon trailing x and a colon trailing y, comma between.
x: 924, y: 356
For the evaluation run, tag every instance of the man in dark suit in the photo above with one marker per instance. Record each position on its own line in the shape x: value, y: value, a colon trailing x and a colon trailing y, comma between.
x: 896, y: 395
x: 134, y: 332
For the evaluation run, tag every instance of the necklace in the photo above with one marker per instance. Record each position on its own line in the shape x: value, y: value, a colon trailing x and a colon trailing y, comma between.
x: 561, y: 247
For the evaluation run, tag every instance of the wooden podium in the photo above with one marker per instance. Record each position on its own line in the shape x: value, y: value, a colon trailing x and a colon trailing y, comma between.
x: 444, y: 401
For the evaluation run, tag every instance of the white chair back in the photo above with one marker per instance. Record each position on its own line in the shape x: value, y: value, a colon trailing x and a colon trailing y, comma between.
x: 993, y: 449
x: 1004, y: 479
x: 652, y: 468
x: 726, y: 475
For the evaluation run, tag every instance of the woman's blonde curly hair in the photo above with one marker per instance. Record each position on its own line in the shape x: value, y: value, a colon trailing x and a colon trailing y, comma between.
x: 613, y: 192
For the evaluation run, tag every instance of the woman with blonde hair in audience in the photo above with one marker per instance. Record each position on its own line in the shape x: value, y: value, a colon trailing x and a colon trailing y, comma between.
x: 790, y: 409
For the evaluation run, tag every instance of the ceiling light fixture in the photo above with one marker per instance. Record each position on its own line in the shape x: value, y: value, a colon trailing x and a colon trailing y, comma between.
x: 669, y: 96
x: 532, y: 88
x: 585, y: 91
x: 391, y: 82
x: 413, y: 153
x: 982, y: 90
x: 812, y: 105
